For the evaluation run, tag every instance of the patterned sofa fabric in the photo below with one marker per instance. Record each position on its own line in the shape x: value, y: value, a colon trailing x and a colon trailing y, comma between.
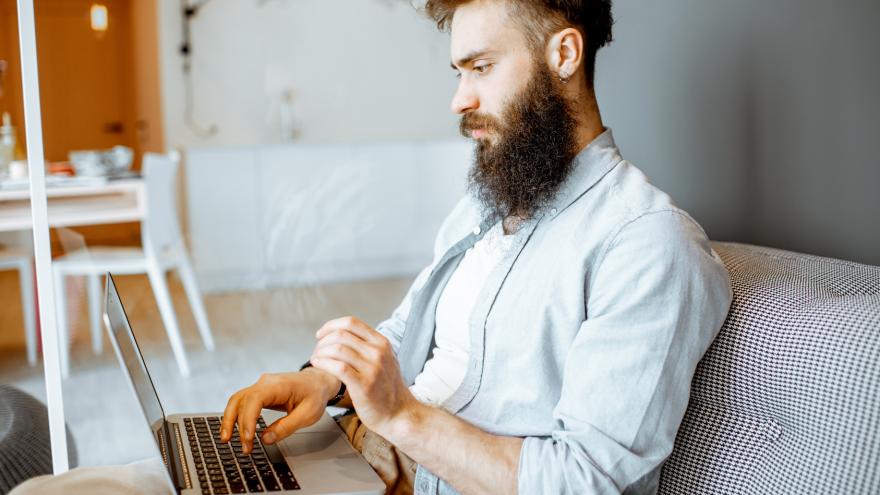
x: 25, y: 450
x: 787, y: 399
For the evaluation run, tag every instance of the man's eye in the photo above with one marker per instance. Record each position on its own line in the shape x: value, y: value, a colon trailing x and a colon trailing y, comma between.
x: 482, y: 69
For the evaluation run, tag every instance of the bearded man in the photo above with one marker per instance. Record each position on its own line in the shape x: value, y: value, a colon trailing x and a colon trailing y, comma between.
x: 550, y: 345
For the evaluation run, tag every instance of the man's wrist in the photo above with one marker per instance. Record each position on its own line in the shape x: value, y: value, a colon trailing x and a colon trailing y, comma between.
x: 330, y: 385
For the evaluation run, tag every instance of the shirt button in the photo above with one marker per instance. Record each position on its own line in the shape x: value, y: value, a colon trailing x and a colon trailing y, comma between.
x: 477, y: 230
x: 553, y: 211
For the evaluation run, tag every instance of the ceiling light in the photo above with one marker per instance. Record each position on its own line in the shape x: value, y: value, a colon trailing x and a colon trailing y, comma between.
x: 100, y: 19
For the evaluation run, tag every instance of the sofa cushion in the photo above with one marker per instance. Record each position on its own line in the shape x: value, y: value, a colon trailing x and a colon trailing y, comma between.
x: 25, y: 450
x: 787, y: 399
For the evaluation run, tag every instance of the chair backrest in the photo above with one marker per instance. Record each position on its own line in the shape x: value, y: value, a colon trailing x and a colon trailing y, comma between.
x: 787, y: 398
x: 160, y: 230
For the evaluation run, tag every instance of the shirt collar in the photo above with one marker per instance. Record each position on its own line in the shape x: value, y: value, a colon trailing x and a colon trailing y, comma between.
x: 589, y: 166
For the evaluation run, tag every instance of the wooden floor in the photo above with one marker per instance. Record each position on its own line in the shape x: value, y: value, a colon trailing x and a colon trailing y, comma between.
x: 255, y: 332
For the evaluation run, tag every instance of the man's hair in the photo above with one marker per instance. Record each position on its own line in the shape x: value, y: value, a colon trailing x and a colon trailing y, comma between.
x: 540, y: 19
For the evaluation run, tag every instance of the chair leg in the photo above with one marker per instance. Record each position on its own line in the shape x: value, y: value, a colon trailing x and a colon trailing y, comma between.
x: 194, y: 296
x: 166, y: 310
x: 26, y: 285
x: 61, y: 321
x: 94, y: 288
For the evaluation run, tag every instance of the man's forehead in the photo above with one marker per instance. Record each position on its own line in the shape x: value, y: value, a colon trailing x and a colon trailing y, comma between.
x: 481, y: 26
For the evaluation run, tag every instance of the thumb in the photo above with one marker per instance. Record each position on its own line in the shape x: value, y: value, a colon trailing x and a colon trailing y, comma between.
x: 303, y: 414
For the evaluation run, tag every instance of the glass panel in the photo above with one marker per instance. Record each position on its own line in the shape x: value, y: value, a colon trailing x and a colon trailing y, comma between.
x: 239, y: 200
x: 24, y: 423
x: 250, y: 169
x: 95, y: 130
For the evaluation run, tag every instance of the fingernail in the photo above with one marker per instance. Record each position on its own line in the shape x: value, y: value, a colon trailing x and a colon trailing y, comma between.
x: 269, y: 437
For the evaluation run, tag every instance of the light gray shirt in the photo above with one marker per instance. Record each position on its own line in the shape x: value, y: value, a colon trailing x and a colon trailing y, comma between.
x: 585, y: 337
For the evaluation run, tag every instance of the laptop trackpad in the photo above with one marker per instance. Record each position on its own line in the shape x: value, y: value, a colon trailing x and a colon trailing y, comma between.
x: 326, y: 459
x: 314, y: 445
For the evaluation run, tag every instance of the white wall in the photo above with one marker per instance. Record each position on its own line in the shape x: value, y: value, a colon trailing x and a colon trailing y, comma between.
x: 361, y: 70
x: 760, y: 118
x: 292, y: 215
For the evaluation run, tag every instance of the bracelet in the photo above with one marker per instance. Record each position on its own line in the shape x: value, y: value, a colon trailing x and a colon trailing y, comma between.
x: 339, y: 395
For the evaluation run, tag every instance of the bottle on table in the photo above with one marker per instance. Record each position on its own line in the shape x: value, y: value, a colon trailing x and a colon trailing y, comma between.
x: 7, y: 144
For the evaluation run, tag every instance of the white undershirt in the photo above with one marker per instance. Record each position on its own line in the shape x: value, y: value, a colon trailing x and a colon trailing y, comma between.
x: 445, y: 371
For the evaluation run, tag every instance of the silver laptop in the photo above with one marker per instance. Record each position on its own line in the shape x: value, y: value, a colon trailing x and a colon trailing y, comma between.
x: 317, y: 459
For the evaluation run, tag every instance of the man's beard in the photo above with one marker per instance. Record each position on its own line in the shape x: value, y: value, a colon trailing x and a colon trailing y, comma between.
x: 536, y: 143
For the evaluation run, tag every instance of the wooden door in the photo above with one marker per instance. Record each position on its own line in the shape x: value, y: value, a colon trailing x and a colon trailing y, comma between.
x: 86, y: 86
x: 10, y: 81
x: 97, y: 90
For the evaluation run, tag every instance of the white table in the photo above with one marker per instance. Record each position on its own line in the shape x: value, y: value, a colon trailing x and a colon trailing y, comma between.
x: 69, y: 205
x: 115, y: 201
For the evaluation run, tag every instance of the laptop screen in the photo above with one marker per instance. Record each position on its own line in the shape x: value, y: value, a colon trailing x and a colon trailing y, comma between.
x: 130, y: 355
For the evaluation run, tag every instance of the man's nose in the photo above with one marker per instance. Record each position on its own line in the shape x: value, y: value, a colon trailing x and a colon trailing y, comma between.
x: 465, y: 99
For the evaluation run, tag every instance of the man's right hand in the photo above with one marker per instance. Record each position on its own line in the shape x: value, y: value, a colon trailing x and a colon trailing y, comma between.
x: 303, y: 395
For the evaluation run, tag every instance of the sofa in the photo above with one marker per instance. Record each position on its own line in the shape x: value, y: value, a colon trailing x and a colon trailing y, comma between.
x: 787, y: 398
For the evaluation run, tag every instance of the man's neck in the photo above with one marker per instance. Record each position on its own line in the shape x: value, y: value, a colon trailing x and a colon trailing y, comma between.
x: 589, y: 119
x: 511, y: 224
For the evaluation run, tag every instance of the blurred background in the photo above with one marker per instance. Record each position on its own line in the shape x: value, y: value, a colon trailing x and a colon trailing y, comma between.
x: 289, y: 161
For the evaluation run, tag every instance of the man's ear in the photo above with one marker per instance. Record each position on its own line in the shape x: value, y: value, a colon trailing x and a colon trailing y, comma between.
x: 565, y: 53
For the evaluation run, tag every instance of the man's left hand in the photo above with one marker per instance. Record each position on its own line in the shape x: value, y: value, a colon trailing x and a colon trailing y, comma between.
x: 363, y: 359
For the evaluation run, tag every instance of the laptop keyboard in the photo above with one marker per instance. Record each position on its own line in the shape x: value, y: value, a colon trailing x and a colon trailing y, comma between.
x: 223, y: 468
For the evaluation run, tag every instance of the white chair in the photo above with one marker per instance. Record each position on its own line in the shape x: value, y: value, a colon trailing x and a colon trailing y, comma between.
x: 162, y: 250
x: 13, y: 260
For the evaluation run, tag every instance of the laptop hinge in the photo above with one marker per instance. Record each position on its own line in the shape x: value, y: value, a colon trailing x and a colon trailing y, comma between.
x: 169, y: 436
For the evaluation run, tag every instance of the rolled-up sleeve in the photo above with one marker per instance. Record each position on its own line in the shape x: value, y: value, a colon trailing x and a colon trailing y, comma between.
x: 653, y: 305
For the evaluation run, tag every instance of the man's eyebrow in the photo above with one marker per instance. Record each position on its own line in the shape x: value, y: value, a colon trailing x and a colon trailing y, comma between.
x: 470, y: 57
